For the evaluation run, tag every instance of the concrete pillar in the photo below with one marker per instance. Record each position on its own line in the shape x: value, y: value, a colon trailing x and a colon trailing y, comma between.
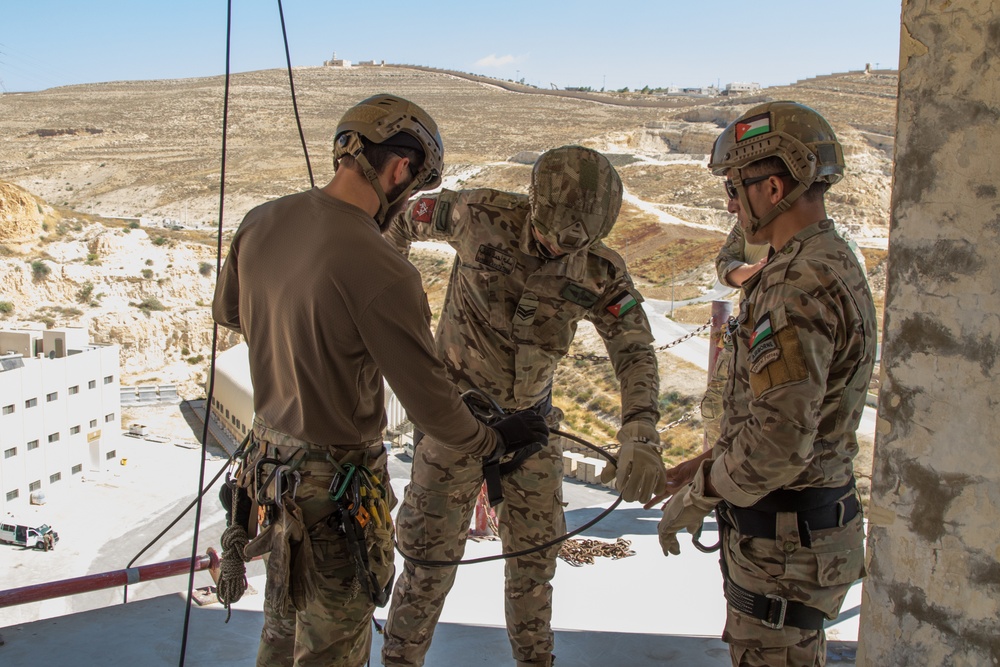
x: 933, y: 593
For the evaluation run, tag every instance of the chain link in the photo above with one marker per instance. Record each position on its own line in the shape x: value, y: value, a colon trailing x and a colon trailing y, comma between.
x: 688, y: 336
x: 677, y: 422
x: 578, y: 552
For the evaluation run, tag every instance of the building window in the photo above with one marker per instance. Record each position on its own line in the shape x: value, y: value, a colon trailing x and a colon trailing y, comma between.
x: 92, y: 384
x: 108, y: 379
x: 34, y: 486
x: 8, y: 409
x: 12, y: 495
x: 73, y: 430
x: 93, y: 423
x: 227, y: 413
x: 110, y: 455
x: 10, y: 453
x: 31, y: 402
x: 55, y: 477
x: 32, y: 445
x: 54, y: 437
x: 75, y: 389
x: 51, y: 397
x: 109, y: 418
x: 77, y: 469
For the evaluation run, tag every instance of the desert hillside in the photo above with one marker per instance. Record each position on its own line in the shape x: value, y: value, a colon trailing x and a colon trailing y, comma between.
x: 109, y: 193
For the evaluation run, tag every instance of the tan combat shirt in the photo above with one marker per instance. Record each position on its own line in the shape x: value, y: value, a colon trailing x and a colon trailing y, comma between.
x: 803, y: 358
x: 327, y: 308
x: 510, y: 316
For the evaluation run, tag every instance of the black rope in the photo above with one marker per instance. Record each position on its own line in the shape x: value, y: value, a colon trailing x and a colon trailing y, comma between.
x: 295, y: 105
x: 537, y: 548
x: 215, y: 340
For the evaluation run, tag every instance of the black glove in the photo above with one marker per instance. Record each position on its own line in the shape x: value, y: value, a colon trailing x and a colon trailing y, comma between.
x: 519, y: 430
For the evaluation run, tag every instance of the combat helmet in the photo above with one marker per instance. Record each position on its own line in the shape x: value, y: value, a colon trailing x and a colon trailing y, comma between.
x: 391, y: 121
x: 793, y: 132
x: 575, y: 197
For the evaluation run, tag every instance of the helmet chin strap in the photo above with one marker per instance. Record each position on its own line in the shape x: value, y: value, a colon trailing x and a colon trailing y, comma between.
x: 384, y: 203
x: 756, y: 224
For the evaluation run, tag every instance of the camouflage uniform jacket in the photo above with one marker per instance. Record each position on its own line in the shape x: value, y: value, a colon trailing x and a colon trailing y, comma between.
x: 804, y: 354
x: 510, y: 316
x: 736, y: 252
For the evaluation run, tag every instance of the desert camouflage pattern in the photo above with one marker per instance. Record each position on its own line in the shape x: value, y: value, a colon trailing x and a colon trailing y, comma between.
x: 803, y: 357
x: 510, y: 316
x: 433, y: 524
x: 735, y: 252
x: 575, y: 197
x: 810, y: 651
x: 334, y: 627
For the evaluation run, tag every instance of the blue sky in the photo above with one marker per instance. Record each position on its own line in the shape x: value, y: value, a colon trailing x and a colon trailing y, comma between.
x: 610, y: 43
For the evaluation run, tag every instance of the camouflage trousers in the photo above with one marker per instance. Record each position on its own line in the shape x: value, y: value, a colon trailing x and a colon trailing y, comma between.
x: 433, y: 524
x: 332, y: 629
x: 818, y: 576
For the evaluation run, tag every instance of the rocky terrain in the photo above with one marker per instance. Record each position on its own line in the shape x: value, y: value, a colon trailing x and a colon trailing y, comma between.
x: 109, y: 193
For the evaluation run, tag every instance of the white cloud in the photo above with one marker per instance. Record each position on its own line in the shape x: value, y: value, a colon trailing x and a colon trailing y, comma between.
x: 493, y: 60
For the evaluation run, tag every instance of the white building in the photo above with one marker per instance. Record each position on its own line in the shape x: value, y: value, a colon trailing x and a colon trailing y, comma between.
x: 741, y: 88
x: 60, y: 411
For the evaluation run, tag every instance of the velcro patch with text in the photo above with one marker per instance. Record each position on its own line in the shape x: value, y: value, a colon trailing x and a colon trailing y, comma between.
x: 496, y: 259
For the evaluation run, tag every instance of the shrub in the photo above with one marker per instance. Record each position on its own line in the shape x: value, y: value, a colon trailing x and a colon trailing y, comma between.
x: 6, y: 308
x: 133, y: 225
x: 40, y: 270
x: 196, y: 359
x: 149, y: 304
x: 147, y: 273
x: 93, y: 259
x: 159, y: 240
x: 85, y: 292
x: 149, y: 262
x: 205, y: 269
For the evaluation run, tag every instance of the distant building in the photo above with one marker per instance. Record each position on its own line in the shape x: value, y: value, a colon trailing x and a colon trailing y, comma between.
x: 741, y: 88
x: 61, y: 410
x: 337, y: 62
x: 371, y: 63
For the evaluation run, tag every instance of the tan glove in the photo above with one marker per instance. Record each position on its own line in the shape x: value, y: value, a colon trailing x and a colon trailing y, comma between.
x: 640, y: 473
x: 685, y: 511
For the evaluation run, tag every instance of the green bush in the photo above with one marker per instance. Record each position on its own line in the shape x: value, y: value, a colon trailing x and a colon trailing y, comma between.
x: 40, y: 270
x: 147, y: 273
x: 85, y: 292
x: 149, y: 304
x: 159, y: 240
x: 133, y: 225
x: 6, y: 308
x: 206, y: 269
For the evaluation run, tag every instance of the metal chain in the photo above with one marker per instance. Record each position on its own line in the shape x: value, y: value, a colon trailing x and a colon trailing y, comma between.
x: 677, y: 422
x: 688, y: 336
x: 580, y: 552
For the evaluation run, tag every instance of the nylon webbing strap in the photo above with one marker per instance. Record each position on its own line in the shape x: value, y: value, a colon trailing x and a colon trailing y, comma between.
x: 772, y: 610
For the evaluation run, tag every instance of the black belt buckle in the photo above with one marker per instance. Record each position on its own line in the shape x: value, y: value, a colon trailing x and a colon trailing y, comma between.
x: 782, y: 608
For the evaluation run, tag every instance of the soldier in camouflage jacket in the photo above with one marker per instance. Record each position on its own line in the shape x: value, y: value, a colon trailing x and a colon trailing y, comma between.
x: 781, y: 475
x: 527, y: 270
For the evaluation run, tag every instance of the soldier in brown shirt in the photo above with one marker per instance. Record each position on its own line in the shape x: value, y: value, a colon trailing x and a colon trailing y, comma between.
x: 781, y: 474
x: 328, y: 309
x: 527, y: 270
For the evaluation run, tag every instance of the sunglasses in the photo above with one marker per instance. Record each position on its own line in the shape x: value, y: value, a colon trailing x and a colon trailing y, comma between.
x: 731, y: 187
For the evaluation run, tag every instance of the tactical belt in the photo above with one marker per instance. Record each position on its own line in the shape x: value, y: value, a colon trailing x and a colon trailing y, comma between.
x: 815, y: 509
x: 773, y: 611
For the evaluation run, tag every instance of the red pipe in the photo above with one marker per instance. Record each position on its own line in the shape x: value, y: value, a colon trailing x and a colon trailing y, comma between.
x: 96, y: 582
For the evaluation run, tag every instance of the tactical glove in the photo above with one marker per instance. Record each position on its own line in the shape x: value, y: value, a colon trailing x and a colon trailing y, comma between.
x: 640, y: 473
x: 519, y: 430
x: 686, y: 510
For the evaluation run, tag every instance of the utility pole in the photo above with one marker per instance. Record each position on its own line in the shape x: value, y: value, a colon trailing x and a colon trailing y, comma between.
x: 673, y: 275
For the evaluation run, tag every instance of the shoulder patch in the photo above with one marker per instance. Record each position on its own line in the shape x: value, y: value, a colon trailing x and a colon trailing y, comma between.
x: 578, y: 295
x: 761, y: 331
x: 622, y: 303
x: 443, y: 210
x: 423, y: 210
x: 496, y: 259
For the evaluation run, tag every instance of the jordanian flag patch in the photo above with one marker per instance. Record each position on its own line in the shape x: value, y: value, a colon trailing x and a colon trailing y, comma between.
x: 761, y: 331
x: 753, y: 126
x: 622, y: 303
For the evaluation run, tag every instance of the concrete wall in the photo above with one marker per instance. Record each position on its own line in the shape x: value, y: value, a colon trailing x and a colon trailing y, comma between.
x: 933, y: 594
